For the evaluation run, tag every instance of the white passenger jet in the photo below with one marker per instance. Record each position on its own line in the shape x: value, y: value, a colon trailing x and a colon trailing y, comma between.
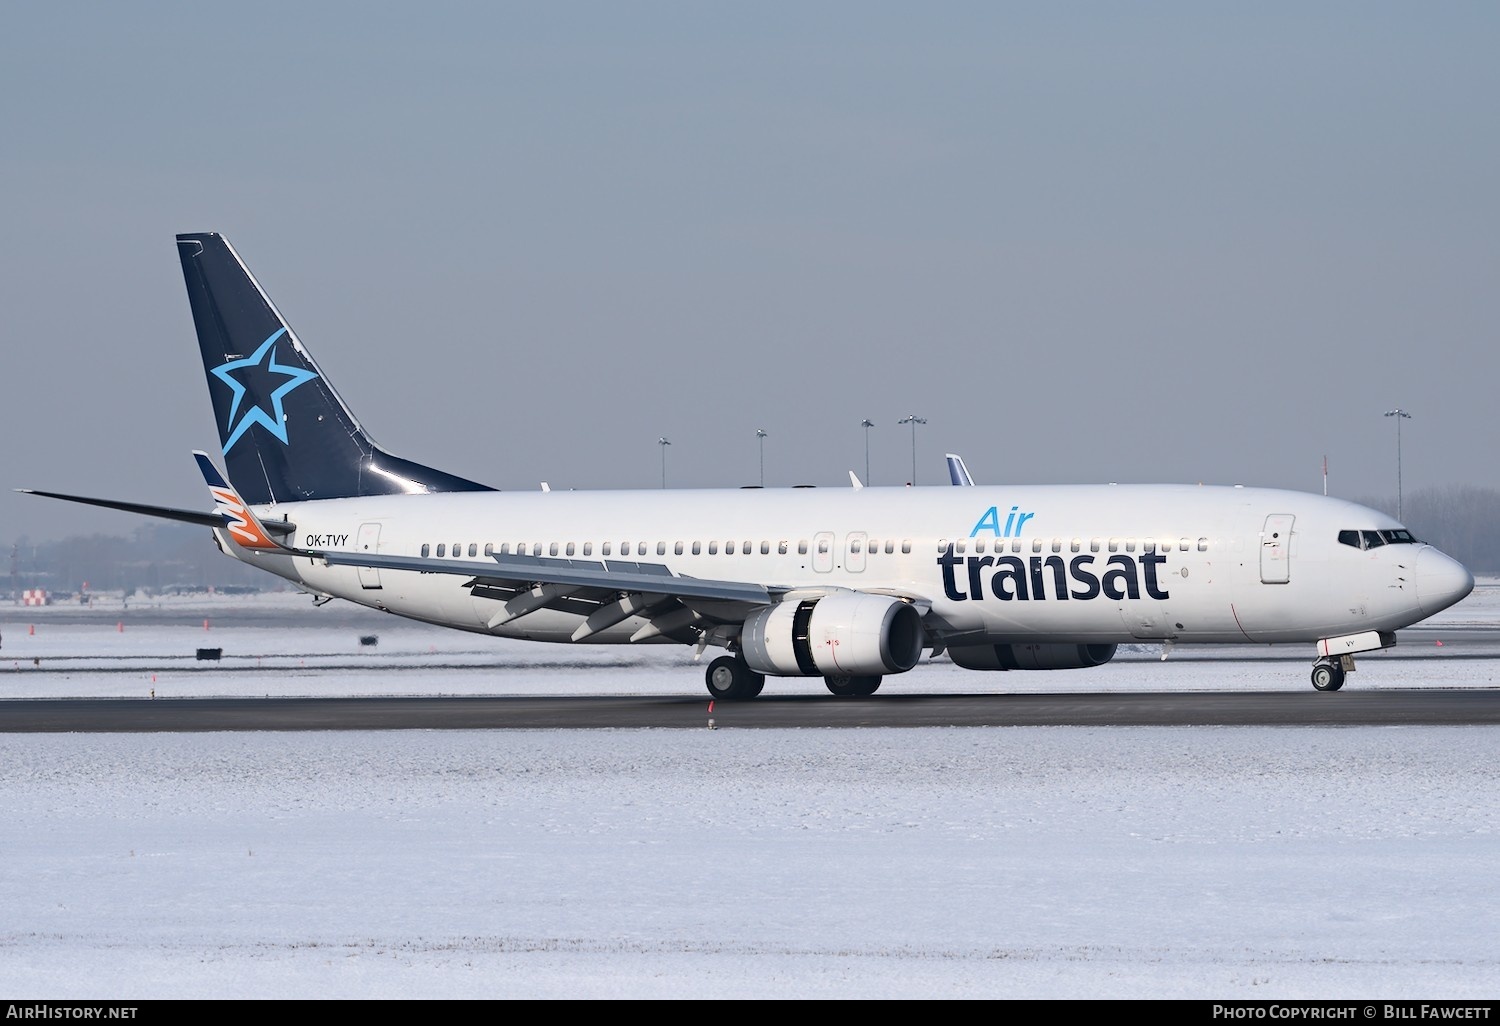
x: 847, y: 585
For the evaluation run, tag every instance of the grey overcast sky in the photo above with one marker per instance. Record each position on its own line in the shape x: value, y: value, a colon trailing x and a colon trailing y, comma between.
x: 1086, y: 242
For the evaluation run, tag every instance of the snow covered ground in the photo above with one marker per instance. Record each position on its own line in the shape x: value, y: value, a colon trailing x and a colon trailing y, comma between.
x: 1212, y: 863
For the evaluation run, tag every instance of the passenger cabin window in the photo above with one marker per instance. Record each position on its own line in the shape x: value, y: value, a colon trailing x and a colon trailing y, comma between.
x: 442, y: 550
x: 906, y: 546
x: 713, y: 548
x: 426, y: 550
x: 588, y: 548
x: 781, y: 547
x: 802, y: 547
x: 677, y: 549
x: 489, y: 548
x: 697, y: 548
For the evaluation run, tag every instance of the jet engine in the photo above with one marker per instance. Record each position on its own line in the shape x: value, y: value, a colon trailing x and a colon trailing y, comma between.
x: 844, y: 634
x: 1031, y: 657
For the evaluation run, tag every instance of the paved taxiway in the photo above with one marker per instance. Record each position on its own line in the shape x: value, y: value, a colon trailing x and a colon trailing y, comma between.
x: 1430, y: 707
x: 1440, y: 674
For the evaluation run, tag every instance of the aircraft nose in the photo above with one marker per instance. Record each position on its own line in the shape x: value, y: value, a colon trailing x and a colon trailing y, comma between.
x: 1441, y: 581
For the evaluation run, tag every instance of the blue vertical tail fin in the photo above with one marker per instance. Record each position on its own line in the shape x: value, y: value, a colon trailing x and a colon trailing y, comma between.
x: 285, y: 433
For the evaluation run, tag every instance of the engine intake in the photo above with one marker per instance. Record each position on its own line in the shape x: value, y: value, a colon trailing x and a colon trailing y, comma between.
x: 1031, y: 657
x: 834, y: 635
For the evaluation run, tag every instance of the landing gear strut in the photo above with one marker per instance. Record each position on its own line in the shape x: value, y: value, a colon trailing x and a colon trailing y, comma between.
x: 1328, y: 674
x: 730, y: 679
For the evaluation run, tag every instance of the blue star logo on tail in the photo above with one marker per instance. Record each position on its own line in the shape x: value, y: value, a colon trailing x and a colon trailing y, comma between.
x: 255, y: 367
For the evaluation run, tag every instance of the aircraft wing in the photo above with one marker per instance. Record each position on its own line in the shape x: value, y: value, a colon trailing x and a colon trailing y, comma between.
x: 611, y: 575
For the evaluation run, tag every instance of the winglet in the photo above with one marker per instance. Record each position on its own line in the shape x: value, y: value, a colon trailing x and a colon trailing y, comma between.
x: 958, y: 471
x: 243, y: 526
x: 853, y: 480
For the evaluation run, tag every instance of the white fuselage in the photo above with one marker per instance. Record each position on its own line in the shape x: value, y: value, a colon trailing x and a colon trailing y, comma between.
x: 1013, y: 564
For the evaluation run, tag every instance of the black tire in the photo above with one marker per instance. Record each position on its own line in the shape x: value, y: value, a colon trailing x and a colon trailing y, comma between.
x: 852, y: 686
x: 730, y: 679
x: 1327, y: 676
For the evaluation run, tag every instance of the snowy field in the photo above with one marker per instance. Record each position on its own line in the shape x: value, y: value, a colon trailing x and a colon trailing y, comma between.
x: 1208, y: 863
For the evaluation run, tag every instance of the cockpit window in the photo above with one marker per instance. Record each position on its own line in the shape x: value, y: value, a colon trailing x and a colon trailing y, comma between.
x: 1375, y: 539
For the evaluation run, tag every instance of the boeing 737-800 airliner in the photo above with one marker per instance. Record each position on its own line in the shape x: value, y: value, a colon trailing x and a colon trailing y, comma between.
x: 848, y: 584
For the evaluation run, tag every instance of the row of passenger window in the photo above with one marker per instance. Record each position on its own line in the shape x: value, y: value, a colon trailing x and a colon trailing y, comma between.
x: 1018, y: 545
x: 697, y: 548
x: 856, y: 544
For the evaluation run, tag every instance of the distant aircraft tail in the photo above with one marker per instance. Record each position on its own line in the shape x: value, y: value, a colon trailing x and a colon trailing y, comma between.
x: 285, y: 433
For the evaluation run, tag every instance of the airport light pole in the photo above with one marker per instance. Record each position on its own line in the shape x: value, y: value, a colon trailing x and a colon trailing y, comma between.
x: 867, y: 424
x: 761, y: 435
x: 663, y: 443
x: 913, y: 420
x: 1400, y: 415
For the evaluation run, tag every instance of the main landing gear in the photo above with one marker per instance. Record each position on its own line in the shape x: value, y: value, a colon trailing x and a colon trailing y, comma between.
x: 1328, y: 673
x: 730, y: 679
x: 853, y: 686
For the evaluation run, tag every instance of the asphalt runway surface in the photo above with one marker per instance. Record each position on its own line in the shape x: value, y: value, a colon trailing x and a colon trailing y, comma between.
x: 1425, y: 706
x: 1431, y: 703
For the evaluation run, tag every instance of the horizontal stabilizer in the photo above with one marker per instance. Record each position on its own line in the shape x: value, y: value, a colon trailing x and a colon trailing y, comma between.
x: 186, y: 516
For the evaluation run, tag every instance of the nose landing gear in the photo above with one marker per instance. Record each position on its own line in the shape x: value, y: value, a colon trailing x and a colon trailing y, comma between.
x: 1328, y: 674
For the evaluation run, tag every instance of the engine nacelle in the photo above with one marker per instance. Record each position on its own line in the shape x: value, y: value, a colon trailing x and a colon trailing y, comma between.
x: 845, y: 634
x: 1031, y: 657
